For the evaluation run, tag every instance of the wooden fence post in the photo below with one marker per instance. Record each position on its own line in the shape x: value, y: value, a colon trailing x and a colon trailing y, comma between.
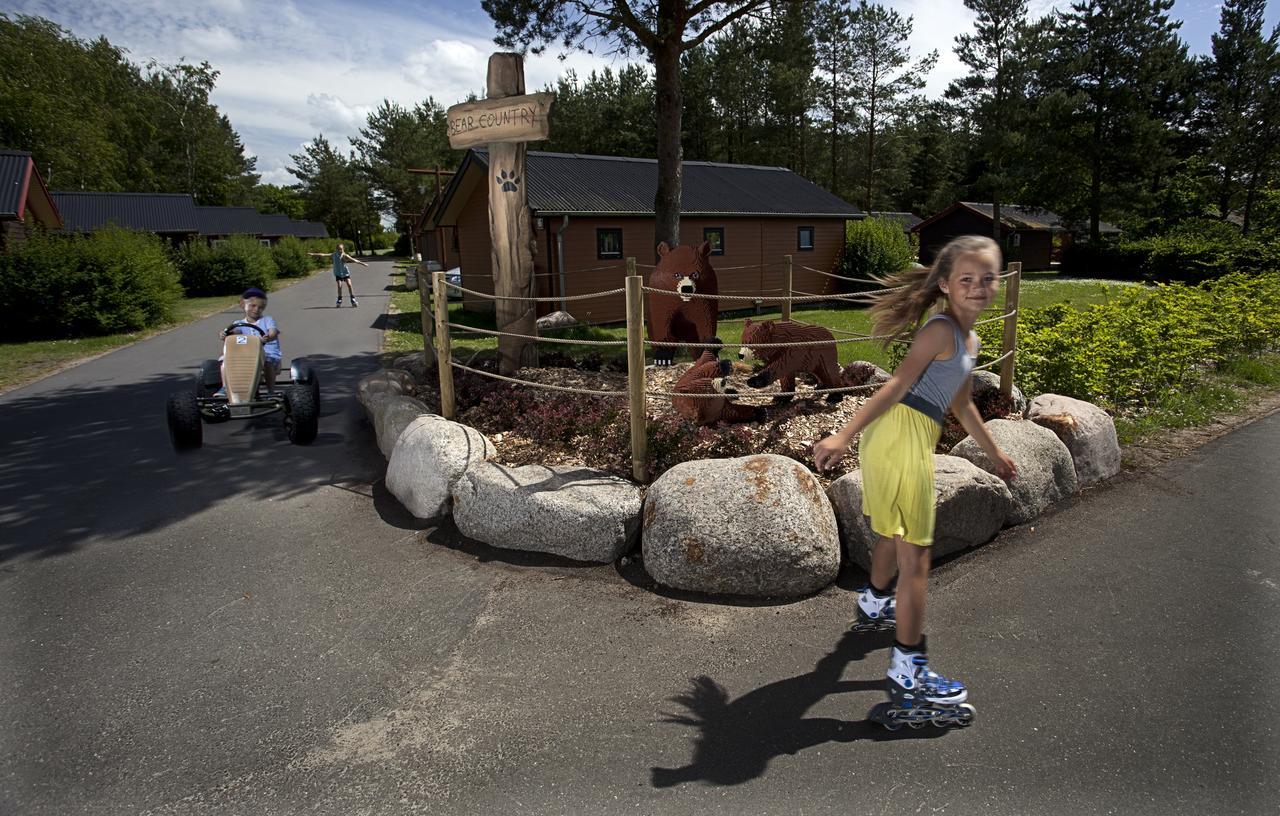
x: 1010, y: 343
x: 786, y: 286
x: 425, y: 282
x: 635, y: 373
x: 444, y: 353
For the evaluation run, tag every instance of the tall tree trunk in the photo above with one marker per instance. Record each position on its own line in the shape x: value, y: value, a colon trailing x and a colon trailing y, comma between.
x: 1095, y: 182
x: 666, y: 204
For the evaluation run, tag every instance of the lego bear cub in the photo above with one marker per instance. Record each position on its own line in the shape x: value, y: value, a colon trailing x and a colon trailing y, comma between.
x: 785, y: 363
x: 707, y: 377
x: 683, y: 271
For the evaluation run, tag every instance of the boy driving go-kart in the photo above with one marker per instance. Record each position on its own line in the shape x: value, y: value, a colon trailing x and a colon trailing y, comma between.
x: 242, y: 383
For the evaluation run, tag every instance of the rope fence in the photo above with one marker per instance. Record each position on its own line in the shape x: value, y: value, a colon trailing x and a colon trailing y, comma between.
x: 635, y: 292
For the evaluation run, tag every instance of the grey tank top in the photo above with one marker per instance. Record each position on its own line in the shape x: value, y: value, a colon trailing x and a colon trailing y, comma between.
x: 932, y: 393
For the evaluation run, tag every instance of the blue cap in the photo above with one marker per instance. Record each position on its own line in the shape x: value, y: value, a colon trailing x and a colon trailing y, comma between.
x: 252, y: 292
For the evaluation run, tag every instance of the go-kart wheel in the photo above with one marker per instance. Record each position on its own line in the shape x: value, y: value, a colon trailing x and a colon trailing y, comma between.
x: 303, y: 374
x: 301, y: 415
x: 185, y: 429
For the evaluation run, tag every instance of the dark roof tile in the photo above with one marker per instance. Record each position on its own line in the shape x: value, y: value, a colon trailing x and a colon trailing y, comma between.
x: 575, y: 184
x: 151, y: 212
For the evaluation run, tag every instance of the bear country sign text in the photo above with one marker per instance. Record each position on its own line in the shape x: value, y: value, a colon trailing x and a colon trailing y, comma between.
x: 507, y: 119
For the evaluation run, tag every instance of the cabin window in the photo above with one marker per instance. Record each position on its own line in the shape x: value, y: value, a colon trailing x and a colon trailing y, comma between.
x: 804, y: 239
x: 715, y: 237
x: 608, y: 243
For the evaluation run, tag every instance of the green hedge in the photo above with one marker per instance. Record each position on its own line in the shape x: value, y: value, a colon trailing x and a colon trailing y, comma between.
x: 291, y: 259
x: 1193, y: 252
x: 227, y: 269
x: 1144, y: 344
x: 873, y: 246
x: 58, y: 286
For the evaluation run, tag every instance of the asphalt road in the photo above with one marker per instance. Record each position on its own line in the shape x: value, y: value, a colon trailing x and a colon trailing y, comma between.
x: 258, y: 628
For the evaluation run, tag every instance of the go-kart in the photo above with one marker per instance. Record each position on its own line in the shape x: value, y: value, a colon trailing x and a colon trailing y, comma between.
x: 244, y: 396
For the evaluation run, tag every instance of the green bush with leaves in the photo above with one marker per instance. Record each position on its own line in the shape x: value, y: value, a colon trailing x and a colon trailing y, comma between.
x: 226, y: 269
x: 1194, y: 251
x: 1147, y: 343
x: 110, y: 281
x: 291, y: 259
x: 873, y: 247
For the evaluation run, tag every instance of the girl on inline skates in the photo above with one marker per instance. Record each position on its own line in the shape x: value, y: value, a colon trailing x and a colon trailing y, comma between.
x: 900, y: 427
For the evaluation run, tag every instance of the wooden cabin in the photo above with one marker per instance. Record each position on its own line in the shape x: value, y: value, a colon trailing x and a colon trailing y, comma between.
x: 590, y: 213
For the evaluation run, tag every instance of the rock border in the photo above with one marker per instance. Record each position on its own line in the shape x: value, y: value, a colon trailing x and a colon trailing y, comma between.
x: 693, y: 524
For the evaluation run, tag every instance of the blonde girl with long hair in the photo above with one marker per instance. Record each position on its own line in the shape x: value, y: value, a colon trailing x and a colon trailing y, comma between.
x: 900, y: 427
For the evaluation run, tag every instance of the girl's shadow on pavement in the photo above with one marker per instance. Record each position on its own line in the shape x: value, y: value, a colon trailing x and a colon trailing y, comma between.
x: 739, y: 737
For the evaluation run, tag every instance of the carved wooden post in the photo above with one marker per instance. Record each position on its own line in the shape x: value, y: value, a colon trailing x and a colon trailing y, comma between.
x: 443, y: 351
x: 786, y: 286
x: 635, y: 372
x: 1010, y: 344
x: 506, y: 121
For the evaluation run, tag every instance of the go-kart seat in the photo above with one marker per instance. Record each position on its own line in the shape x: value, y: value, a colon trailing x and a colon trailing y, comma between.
x: 242, y: 366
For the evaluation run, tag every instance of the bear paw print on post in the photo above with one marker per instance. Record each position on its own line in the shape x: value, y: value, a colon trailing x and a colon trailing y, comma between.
x: 510, y: 182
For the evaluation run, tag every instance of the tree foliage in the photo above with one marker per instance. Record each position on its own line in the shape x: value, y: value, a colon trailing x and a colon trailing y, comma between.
x: 92, y: 120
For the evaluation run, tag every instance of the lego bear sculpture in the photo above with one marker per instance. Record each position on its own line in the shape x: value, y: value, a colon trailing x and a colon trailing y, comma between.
x: 785, y: 363
x: 707, y: 377
x: 677, y: 318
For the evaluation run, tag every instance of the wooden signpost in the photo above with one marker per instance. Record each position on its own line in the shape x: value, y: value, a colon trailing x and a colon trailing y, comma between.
x: 506, y: 121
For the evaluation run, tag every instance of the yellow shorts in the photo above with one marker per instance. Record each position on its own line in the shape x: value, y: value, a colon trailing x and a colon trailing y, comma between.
x: 896, y: 457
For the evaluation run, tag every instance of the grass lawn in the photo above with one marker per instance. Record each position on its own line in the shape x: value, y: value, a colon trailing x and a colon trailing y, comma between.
x: 22, y: 363
x: 1039, y: 289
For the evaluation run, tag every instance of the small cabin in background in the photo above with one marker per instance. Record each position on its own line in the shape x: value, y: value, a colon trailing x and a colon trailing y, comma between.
x: 176, y: 218
x: 25, y: 202
x: 590, y: 213
x: 1032, y: 236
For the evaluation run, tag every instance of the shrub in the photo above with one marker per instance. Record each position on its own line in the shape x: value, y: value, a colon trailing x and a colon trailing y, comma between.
x: 873, y: 246
x: 290, y: 258
x: 227, y: 269
x: 1194, y: 251
x: 1149, y: 342
x: 402, y: 245
x: 111, y: 281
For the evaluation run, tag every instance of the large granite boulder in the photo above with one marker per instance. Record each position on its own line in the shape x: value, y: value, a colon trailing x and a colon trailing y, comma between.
x: 391, y: 414
x: 576, y: 512
x: 1088, y: 432
x: 386, y: 381
x: 419, y: 367
x: 430, y: 455
x: 986, y: 385
x: 755, y: 525
x: 1046, y: 474
x: 971, y: 508
x: 556, y: 320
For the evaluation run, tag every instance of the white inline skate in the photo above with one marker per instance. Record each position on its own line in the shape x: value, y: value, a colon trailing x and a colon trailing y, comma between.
x: 919, y: 696
x: 876, y: 612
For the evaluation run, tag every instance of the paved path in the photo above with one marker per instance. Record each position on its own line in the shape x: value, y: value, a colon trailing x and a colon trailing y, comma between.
x: 258, y: 629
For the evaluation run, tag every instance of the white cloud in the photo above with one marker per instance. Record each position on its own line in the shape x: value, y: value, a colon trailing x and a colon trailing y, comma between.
x: 331, y: 114
x: 447, y: 64
x: 214, y: 41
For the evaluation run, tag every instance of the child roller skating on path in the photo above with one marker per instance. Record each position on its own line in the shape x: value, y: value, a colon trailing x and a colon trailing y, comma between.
x: 341, y: 274
x: 900, y: 427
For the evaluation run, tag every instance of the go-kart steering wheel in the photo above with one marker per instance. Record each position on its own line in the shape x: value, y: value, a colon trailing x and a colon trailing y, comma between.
x: 229, y: 329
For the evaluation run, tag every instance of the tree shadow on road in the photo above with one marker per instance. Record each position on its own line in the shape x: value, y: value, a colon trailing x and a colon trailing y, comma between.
x: 94, y: 461
x: 738, y: 738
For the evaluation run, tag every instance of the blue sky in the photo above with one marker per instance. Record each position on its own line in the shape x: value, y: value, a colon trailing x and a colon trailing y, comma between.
x: 295, y: 68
